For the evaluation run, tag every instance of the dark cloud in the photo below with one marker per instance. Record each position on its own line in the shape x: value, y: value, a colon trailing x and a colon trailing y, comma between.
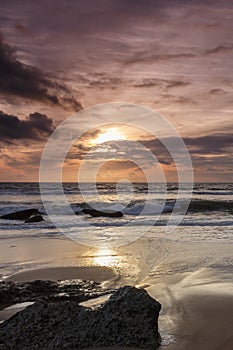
x: 217, y: 92
x: 142, y: 58
x: 36, y: 126
x: 83, y: 145
x: 148, y: 57
x: 21, y: 28
x: 210, y: 144
x: 84, y: 141
x: 154, y: 56
x: 165, y: 83
x: 220, y: 48
x: 182, y: 99
x: 100, y: 80
x: 213, y: 144
x: 28, y: 82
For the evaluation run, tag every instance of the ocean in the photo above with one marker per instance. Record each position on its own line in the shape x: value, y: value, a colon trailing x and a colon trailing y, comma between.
x: 208, y: 218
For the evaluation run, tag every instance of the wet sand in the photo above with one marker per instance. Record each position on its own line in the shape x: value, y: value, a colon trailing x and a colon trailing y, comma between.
x: 95, y: 273
x: 205, y: 323
x: 197, y: 309
x: 193, y: 282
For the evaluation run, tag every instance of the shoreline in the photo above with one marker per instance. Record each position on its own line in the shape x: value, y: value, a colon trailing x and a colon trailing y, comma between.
x: 206, y: 323
x: 95, y: 273
x: 196, y: 314
x: 193, y: 282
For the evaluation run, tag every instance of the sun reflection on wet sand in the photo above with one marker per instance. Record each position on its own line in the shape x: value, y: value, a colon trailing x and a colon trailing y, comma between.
x: 105, y: 257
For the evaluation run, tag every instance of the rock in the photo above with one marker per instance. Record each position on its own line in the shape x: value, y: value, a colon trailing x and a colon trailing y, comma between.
x: 129, y: 318
x: 95, y: 213
x: 70, y: 290
x: 35, y: 218
x: 20, y: 215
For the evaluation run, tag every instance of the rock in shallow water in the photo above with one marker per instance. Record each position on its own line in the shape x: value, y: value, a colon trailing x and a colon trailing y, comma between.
x: 97, y: 213
x: 49, y: 291
x: 35, y: 218
x: 128, y: 318
x: 20, y: 215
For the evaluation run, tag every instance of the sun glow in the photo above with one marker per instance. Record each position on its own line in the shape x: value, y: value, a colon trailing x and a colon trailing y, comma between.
x: 112, y: 134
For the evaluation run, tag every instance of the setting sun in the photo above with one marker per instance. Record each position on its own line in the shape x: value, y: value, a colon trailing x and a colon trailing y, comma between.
x: 110, y: 135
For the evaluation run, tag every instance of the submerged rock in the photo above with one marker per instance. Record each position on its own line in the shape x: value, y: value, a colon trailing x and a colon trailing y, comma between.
x: 20, y: 215
x: 96, y: 213
x: 128, y: 318
x: 70, y: 290
x: 35, y: 218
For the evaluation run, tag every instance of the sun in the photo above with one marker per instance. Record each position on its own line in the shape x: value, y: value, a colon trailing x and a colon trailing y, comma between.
x: 112, y: 134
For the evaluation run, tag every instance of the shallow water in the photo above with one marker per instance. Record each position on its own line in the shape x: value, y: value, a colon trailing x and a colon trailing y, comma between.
x: 147, y: 211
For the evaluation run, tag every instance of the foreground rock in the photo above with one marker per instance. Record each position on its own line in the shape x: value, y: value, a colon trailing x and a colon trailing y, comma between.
x: 70, y: 290
x: 21, y: 215
x: 128, y: 318
x: 96, y: 213
x: 35, y: 218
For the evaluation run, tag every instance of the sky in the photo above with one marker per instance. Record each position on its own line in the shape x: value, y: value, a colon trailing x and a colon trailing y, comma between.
x: 60, y: 57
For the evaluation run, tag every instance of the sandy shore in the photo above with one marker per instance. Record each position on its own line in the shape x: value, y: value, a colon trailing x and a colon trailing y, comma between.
x: 95, y: 273
x: 197, y: 309
x: 194, y: 283
x: 206, y: 323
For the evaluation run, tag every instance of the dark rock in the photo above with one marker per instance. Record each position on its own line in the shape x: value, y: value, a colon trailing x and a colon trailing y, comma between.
x: 20, y: 215
x: 35, y: 218
x: 198, y: 205
x: 129, y: 318
x: 70, y: 290
x: 95, y: 213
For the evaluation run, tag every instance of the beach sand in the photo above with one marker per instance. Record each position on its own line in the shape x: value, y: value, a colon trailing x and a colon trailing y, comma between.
x: 197, y: 309
x: 193, y: 282
x: 206, y: 323
x: 95, y: 273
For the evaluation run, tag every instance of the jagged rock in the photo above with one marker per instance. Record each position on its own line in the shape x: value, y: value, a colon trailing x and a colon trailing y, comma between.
x: 95, y: 213
x: 71, y: 290
x: 35, y: 218
x: 20, y: 215
x: 128, y: 318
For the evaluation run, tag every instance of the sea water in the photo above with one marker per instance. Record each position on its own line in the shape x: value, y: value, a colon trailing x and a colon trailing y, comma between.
x: 208, y: 217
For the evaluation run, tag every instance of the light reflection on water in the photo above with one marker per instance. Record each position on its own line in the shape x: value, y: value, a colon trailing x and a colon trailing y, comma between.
x: 105, y: 257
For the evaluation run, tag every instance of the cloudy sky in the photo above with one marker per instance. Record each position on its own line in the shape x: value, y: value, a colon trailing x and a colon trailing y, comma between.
x: 58, y: 57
